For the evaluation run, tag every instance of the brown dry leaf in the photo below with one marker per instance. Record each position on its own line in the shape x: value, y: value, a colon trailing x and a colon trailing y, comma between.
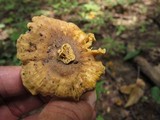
x: 3, y: 35
x: 118, y: 101
x: 135, y: 92
x: 157, y: 68
x: 127, y: 21
x: 126, y: 89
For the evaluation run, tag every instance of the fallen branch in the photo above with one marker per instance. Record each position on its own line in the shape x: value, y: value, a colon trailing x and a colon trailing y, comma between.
x: 148, y: 70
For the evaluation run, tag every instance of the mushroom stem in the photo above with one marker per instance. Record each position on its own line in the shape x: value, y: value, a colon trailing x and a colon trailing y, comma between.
x: 66, y: 54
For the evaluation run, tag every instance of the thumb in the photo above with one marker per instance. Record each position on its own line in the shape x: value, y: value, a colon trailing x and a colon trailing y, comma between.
x: 70, y: 110
x: 64, y: 110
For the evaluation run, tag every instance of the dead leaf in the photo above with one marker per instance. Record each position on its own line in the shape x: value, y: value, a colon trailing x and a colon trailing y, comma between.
x: 140, y: 83
x: 135, y: 91
x: 125, y: 20
x: 3, y: 35
x: 118, y: 101
x: 157, y: 68
x: 134, y: 97
x: 126, y: 89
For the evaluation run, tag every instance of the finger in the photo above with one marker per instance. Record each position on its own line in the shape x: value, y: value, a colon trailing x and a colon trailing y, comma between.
x: 65, y: 110
x: 23, y: 105
x: 94, y: 116
x: 6, y: 114
x: 52, y: 116
x: 10, y: 81
x: 90, y: 98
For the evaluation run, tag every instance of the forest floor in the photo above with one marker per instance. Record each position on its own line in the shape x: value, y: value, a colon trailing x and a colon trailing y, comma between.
x: 130, y: 32
x: 118, y: 102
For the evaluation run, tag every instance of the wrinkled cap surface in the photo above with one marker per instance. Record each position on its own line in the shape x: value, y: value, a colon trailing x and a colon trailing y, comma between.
x: 57, y: 59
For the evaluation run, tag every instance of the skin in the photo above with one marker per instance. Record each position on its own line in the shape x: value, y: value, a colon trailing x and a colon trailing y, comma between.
x: 16, y: 102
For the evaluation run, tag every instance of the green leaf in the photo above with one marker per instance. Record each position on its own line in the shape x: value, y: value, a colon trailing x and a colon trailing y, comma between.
x: 149, y: 45
x: 91, y: 6
x: 10, y: 6
x: 42, y: 12
x: 99, y: 88
x: 99, y: 117
x: 155, y: 92
x: 14, y: 36
x: 16, y: 61
x: 8, y: 20
x: 2, y: 62
x: 131, y: 55
x: 113, y: 47
x: 2, y: 25
x: 120, y: 30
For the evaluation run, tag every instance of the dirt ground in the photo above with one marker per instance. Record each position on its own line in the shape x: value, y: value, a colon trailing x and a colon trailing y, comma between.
x: 119, y: 73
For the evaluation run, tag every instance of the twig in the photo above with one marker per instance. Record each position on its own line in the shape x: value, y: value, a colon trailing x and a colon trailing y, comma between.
x: 148, y: 70
x: 110, y: 74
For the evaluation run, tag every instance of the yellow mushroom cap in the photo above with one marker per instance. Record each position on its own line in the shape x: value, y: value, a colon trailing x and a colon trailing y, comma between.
x: 57, y: 59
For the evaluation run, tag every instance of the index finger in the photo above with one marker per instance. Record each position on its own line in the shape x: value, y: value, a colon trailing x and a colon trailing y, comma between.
x: 10, y: 81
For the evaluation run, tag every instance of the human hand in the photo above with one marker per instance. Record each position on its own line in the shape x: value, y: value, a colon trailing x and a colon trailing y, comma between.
x: 15, y: 101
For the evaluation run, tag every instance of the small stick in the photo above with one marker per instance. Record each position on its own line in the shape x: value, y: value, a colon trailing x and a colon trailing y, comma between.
x: 148, y: 70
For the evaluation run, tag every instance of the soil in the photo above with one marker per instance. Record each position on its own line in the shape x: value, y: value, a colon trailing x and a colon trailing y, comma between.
x: 126, y: 72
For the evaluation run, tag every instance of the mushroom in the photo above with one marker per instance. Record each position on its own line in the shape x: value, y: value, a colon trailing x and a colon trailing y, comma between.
x: 57, y: 59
